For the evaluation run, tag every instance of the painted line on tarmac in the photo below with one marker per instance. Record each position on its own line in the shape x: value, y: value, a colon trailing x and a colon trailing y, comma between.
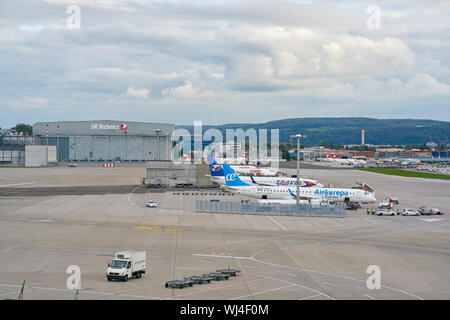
x: 316, y: 295
x: 149, y: 228
x: 220, y: 256
x: 17, y: 184
x: 173, y: 229
x: 301, y: 286
x: 261, y: 292
x: 129, y: 195
x: 370, y: 297
x: 333, y: 275
x: 276, y: 222
x: 30, y: 288
x: 291, y: 274
x: 14, y: 292
x: 330, y: 284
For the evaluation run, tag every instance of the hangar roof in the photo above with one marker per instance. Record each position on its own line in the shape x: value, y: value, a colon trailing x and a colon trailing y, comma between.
x: 101, y: 127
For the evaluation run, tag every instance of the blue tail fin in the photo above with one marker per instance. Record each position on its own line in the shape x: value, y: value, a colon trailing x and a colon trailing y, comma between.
x: 253, y: 180
x: 215, y: 168
x: 231, y: 178
x: 293, y: 195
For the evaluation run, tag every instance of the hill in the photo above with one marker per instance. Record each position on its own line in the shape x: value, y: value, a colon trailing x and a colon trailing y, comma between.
x: 348, y: 130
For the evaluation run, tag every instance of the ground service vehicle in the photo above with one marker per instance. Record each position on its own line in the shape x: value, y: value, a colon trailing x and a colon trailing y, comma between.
x: 429, y: 211
x: 151, y: 204
x: 410, y: 212
x: 179, y: 283
x: 217, y: 275
x: 199, y: 279
x: 230, y: 272
x: 127, y: 264
x: 384, y: 212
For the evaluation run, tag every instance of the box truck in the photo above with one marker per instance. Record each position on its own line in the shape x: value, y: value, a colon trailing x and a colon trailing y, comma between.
x: 127, y: 264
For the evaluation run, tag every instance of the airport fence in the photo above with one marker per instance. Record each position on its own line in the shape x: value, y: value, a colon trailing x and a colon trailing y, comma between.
x: 302, y: 210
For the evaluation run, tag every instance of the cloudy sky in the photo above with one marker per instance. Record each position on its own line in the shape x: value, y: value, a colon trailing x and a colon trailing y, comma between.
x: 223, y: 61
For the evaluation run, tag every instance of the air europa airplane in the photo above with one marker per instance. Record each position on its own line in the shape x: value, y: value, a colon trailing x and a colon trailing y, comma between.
x: 235, y: 184
x: 218, y: 176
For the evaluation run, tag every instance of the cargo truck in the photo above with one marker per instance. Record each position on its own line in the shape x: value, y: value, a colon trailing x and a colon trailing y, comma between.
x: 127, y: 264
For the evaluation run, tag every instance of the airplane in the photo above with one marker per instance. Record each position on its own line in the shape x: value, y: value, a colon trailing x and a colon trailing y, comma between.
x: 235, y: 184
x: 240, y: 166
x: 267, y: 172
x: 335, y: 159
x: 218, y: 177
x: 240, y: 160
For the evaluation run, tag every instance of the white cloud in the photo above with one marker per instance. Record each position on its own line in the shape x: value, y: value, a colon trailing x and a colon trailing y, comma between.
x: 186, y: 91
x: 283, y: 57
x: 31, y: 28
x: 137, y: 93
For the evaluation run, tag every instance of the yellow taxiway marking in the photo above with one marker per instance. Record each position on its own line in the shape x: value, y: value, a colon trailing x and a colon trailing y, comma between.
x: 173, y: 229
x: 148, y: 228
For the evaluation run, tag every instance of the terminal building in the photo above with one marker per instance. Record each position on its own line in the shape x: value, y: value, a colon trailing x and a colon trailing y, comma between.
x: 106, y: 140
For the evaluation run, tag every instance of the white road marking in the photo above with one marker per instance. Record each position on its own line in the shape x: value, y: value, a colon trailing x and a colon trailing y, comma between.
x: 291, y: 274
x: 316, y: 295
x: 431, y: 220
x: 370, y: 297
x: 14, y: 292
x: 330, y: 284
x: 218, y: 256
x: 298, y: 285
x: 129, y: 195
x: 331, y: 274
x: 16, y: 184
x: 276, y: 222
x: 261, y: 292
x: 81, y: 291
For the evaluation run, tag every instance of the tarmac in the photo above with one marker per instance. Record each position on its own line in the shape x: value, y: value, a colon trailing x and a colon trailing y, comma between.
x: 51, y: 218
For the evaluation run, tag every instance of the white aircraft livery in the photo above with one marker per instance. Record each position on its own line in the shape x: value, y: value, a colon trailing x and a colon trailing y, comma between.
x: 218, y: 176
x: 234, y: 183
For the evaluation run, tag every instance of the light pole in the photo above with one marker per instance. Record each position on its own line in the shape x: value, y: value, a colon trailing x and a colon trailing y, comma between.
x: 46, y: 152
x: 298, y: 136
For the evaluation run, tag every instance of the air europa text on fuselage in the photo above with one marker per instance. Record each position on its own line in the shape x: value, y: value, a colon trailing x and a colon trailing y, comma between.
x: 326, y: 192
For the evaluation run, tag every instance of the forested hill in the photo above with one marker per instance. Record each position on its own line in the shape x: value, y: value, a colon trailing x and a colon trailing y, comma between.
x: 348, y: 130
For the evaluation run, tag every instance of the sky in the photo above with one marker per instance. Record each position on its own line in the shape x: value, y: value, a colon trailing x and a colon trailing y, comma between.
x: 223, y: 61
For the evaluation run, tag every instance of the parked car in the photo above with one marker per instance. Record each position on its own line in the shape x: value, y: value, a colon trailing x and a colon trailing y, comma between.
x: 72, y: 165
x: 430, y: 211
x: 410, y: 212
x: 385, y: 212
x: 151, y: 204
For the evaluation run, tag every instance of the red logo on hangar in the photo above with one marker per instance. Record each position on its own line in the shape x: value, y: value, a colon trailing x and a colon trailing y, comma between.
x: 123, y: 127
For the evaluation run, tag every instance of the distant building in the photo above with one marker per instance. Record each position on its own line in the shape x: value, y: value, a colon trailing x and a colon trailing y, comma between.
x: 106, y: 140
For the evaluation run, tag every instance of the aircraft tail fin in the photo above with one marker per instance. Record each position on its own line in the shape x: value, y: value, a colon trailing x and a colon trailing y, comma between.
x: 231, y: 178
x: 215, y: 168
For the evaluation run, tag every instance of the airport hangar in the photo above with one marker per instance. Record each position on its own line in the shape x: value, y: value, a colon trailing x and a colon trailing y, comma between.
x: 106, y: 140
